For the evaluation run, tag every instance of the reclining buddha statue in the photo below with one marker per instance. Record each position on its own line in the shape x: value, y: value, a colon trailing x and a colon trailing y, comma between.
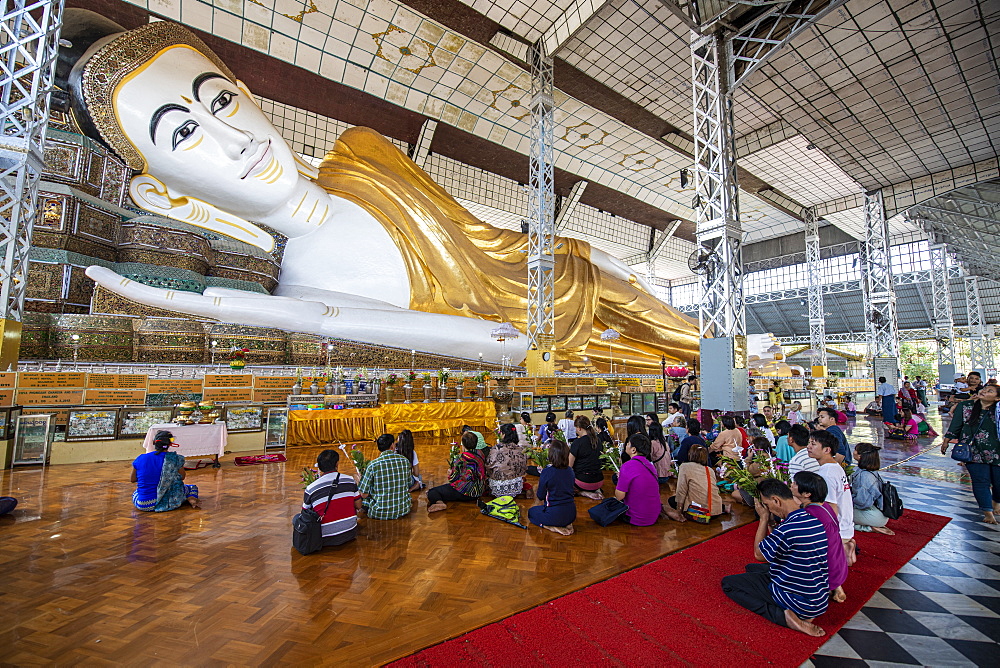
x: 375, y: 252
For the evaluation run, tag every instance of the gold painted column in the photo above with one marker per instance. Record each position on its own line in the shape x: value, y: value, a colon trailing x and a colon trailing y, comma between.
x: 10, y: 343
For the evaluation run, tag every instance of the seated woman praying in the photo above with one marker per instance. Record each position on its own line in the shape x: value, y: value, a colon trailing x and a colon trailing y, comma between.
x: 585, y: 459
x: 810, y: 490
x: 466, y: 479
x: 404, y: 446
x: 697, y: 484
x: 554, y: 508
x: 867, y: 492
x: 160, y: 478
x: 638, y: 487
x: 506, y: 464
x: 660, y: 453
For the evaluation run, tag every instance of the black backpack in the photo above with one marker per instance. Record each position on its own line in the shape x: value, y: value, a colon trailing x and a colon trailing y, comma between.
x: 676, y: 396
x: 307, y: 527
x: 892, y: 505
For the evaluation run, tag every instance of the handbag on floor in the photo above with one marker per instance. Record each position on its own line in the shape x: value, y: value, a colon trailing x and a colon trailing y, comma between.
x: 608, y: 511
x: 307, y: 527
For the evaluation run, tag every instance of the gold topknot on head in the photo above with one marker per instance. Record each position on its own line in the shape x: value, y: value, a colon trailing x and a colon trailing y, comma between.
x: 111, y: 63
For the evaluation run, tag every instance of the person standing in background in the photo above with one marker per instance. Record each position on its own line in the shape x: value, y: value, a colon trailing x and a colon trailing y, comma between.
x: 685, y: 396
x: 920, y: 385
x: 887, y: 393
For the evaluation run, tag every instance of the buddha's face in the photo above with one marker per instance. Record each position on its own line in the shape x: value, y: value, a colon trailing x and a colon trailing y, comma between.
x: 203, y: 136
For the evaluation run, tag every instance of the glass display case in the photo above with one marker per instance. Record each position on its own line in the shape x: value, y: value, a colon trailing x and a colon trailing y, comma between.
x: 604, y: 402
x: 135, y: 422
x: 91, y: 424
x: 588, y: 402
x: 5, y: 423
x: 540, y: 405
x: 33, y: 438
x: 275, y: 427
x: 557, y: 403
x: 244, y: 417
x: 574, y: 403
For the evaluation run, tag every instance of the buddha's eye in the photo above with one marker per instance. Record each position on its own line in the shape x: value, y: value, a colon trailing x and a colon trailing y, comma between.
x: 221, y: 101
x: 183, y: 132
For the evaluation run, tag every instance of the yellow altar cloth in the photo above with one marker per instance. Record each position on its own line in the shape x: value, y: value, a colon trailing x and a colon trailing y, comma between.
x: 431, y: 420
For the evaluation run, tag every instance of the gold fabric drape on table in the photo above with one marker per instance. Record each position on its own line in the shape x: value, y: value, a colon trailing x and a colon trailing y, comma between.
x: 366, y: 424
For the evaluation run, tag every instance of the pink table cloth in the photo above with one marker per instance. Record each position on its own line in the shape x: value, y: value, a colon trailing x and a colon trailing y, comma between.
x: 193, y: 439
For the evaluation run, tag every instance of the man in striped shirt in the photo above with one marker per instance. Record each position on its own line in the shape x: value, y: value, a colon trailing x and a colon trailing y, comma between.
x: 792, y: 588
x: 334, y: 496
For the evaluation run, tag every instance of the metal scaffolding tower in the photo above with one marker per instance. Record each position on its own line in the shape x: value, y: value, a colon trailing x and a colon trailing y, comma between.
x: 944, y: 324
x: 979, y: 343
x: 541, y: 223
x: 722, y: 312
x: 880, y: 311
x: 28, y: 44
x: 814, y: 269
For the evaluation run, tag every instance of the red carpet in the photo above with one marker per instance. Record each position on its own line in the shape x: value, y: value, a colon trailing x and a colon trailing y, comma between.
x: 672, y: 611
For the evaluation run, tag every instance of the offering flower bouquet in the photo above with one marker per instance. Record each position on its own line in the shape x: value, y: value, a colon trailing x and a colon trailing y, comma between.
x: 391, y: 379
x: 611, y: 456
x: 483, y: 376
x: 411, y: 376
x: 453, y: 454
x: 761, y: 465
x: 443, y: 377
x: 309, y: 476
x: 357, y: 456
x: 238, y: 358
x: 427, y: 378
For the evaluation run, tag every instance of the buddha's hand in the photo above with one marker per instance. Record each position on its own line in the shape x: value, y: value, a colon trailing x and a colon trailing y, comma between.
x: 259, y: 310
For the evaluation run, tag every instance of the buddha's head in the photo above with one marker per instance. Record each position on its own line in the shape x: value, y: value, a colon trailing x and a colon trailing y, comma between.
x: 171, y: 110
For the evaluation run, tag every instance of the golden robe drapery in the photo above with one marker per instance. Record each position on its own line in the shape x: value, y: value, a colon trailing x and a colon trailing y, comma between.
x: 459, y: 265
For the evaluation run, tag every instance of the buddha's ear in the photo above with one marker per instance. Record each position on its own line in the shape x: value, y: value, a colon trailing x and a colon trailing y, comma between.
x: 153, y: 195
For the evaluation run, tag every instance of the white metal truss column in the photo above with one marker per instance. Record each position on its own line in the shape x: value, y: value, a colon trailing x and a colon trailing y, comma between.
x: 28, y: 42
x: 814, y: 271
x: 944, y: 324
x: 979, y: 344
x: 722, y: 312
x: 880, y: 311
x: 422, y: 148
x: 541, y: 223
x: 569, y: 205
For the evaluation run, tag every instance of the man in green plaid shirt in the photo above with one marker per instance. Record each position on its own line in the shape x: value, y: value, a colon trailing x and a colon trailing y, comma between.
x: 385, y: 485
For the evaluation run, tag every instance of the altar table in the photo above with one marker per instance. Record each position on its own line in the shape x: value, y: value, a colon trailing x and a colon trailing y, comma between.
x: 430, y: 420
x: 193, y: 439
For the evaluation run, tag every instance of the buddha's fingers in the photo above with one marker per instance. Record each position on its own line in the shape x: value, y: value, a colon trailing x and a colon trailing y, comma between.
x: 269, y: 311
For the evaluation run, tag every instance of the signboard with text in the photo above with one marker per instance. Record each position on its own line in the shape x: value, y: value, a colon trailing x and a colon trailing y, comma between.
x: 131, y: 381
x: 229, y: 380
x: 228, y: 394
x: 30, y: 379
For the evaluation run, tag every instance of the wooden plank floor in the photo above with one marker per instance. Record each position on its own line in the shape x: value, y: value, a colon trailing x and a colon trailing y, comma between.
x: 88, y: 579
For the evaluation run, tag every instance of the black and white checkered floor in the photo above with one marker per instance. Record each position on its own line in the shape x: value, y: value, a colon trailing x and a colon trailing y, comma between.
x: 940, y: 609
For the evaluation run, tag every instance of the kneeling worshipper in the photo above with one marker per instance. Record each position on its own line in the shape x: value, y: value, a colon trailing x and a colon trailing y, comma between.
x: 507, y: 465
x: 335, y: 498
x: 385, y: 484
x: 638, y: 487
x: 466, y: 479
x: 792, y: 588
x: 160, y: 478
x: 555, y: 508
x: 810, y: 491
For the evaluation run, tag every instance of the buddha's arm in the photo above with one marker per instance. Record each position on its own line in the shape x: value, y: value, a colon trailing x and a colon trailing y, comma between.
x: 403, y: 328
